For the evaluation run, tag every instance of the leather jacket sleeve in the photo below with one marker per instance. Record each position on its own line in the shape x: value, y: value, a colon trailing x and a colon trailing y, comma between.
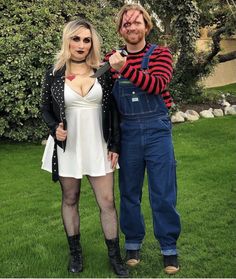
x: 110, y: 115
x: 114, y: 142
x: 47, y: 104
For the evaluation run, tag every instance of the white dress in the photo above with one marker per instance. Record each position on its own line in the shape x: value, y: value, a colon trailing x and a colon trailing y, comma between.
x: 86, y: 149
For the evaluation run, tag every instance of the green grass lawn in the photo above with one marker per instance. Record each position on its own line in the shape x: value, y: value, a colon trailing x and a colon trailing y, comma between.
x: 229, y: 88
x: 215, y: 93
x: 33, y: 244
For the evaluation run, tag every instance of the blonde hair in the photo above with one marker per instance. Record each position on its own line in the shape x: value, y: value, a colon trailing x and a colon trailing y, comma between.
x: 137, y: 7
x: 63, y: 56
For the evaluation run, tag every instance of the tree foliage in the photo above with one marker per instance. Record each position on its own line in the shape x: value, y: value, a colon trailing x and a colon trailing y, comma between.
x: 30, y: 34
x: 221, y: 17
x: 179, y: 26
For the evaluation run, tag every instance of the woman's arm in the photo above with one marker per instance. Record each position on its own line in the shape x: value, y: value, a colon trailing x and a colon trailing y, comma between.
x: 114, y: 142
x: 47, y: 105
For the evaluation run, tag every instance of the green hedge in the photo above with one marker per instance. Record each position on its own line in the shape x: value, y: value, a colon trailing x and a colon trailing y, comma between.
x: 30, y: 33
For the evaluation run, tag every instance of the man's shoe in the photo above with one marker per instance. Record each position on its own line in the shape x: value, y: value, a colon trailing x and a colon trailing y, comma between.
x: 171, y: 265
x: 132, y: 257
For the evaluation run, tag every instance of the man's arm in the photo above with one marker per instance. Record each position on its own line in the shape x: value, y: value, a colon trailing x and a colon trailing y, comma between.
x: 158, y: 76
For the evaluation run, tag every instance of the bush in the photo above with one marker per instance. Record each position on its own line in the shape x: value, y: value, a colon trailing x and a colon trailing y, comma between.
x: 30, y: 37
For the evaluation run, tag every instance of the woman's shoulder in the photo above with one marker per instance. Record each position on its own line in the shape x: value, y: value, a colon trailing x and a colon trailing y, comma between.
x: 106, y: 78
x: 51, y: 71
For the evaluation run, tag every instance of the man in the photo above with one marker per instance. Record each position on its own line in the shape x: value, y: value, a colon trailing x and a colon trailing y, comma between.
x: 140, y: 91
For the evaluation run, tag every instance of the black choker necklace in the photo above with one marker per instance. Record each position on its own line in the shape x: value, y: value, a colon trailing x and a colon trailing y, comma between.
x: 77, y: 62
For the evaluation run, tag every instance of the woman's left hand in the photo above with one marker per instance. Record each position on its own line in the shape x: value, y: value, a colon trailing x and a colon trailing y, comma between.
x: 113, y: 158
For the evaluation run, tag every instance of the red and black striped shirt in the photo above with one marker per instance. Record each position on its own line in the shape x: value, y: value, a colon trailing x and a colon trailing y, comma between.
x: 156, y: 78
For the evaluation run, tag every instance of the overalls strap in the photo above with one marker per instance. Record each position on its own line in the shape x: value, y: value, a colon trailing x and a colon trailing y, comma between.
x: 146, y: 57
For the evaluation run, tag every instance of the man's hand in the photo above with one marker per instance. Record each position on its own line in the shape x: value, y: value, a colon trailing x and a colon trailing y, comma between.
x: 113, y: 158
x: 61, y: 134
x: 117, y: 61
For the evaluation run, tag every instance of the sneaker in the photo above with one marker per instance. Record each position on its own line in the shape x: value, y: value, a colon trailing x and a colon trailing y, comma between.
x: 132, y: 257
x: 171, y: 265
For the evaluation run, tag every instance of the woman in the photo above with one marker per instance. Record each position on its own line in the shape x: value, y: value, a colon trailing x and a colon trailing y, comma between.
x: 84, y: 137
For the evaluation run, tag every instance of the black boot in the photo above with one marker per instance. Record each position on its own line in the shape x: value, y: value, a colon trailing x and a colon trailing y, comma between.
x: 115, y: 257
x: 75, y: 262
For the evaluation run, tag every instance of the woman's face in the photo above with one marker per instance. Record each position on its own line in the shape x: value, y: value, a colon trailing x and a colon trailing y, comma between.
x: 80, y: 44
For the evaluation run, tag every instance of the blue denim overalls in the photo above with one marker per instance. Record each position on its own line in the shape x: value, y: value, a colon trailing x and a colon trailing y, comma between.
x: 146, y: 143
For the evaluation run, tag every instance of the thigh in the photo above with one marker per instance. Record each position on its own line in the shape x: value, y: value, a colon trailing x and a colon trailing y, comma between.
x: 132, y: 167
x: 103, y: 187
x: 159, y: 157
x: 161, y: 170
x: 70, y: 188
x: 158, y: 142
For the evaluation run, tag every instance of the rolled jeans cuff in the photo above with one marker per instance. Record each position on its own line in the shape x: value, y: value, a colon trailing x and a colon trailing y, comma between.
x: 169, y: 252
x: 133, y: 246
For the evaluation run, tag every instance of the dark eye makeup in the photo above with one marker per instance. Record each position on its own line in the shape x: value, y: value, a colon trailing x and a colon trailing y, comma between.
x: 77, y: 39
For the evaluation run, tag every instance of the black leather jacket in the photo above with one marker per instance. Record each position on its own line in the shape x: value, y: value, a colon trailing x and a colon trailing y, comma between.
x: 53, y: 110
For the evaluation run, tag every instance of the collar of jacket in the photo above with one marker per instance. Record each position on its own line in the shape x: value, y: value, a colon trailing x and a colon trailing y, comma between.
x: 61, y: 72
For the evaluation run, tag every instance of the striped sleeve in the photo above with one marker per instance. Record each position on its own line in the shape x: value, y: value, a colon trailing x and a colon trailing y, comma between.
x: 167, y: 98
x: 159, y: 73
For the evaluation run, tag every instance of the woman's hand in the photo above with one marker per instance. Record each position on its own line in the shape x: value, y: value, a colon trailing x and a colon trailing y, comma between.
x: 113, y: 158
x: 61, y: 134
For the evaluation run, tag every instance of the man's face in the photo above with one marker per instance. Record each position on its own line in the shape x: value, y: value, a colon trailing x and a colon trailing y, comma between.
x: 133, y: 28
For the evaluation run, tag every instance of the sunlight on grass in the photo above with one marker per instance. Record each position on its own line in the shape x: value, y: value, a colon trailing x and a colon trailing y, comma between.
x: 215, y: 93
x: 229, y: 88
